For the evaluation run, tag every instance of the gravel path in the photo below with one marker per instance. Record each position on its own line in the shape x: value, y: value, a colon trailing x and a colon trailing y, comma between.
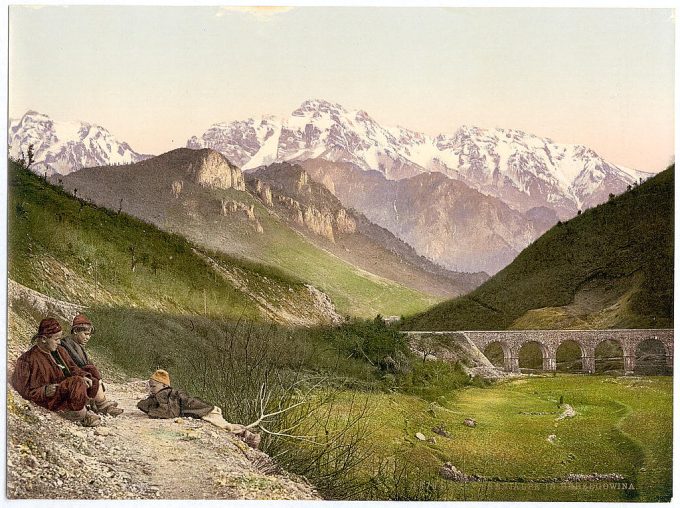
x: 135, y: 457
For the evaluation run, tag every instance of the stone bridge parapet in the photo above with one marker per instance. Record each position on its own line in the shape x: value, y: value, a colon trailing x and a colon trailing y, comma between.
x: 511, y: 341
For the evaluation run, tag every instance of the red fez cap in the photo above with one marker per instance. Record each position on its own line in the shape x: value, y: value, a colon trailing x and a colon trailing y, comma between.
x: 48, y: 326
x: 81, y: 319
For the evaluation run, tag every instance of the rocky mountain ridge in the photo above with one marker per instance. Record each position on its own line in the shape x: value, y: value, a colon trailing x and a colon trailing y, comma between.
x: 288, y: 190
x: 522, y: 169
x: 181, y: 192
x: 443, y: 219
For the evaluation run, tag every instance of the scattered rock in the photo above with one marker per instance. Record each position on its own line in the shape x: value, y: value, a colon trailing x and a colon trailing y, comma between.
x: 191, y: 434
x: 470, y: 422
x: 450, y: 472
x: 420, y: 436
x: 441, y: 430
x: 552, y: 438
x: 568, y: 412
x: 102, y: 431
x: 432, y: 440
x: 79, y: 433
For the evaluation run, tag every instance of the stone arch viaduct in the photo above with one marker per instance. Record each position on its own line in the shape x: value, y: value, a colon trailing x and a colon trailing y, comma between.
x: 550, y: 340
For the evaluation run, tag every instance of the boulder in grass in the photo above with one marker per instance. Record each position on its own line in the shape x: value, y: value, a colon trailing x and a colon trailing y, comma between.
x: 441, y: 431
x: 470, y: 422
x: 420, y: 436
x: 450, y: 472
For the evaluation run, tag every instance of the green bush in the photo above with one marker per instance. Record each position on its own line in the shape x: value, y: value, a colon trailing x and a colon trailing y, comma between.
x: 432, y: 379
x: 368, y: 340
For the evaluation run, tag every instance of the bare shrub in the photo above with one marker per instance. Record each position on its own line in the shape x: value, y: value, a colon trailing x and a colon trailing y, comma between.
x: 255, y: 374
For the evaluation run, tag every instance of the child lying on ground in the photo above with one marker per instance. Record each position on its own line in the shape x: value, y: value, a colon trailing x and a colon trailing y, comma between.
x: 165, y: 401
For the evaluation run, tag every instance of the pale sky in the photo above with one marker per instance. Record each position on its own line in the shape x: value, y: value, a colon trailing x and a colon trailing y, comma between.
x: 154, y: 76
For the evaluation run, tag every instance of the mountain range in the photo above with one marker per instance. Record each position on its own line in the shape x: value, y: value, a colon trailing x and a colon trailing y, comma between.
x: 287, y: 221
x: 309, y: 207
x: 469, y: 201
x: 443, y: 219
x: 523, y: 170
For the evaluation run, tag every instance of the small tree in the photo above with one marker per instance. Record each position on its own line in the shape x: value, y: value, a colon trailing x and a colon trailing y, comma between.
x: 31, y: 156
x: 426, y: 346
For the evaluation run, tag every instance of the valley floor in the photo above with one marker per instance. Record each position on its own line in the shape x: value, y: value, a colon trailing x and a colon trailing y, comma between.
x: 610, y: 440
x: 614, y: 431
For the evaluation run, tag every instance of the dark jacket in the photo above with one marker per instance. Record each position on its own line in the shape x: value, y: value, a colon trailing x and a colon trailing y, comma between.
x: 171, y: 403
x: 76, y: 351
x: 80, y: 358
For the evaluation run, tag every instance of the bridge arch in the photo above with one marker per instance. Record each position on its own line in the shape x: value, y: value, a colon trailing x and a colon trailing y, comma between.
x: 570, y: 355
x: 651, y: 357
x: 528, y: 361
x: 491, y: 353
x: 610, y: 354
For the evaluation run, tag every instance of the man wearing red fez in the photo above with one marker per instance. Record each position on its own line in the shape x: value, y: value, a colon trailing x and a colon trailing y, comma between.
x: 81, y: 332
x: 46, y: 375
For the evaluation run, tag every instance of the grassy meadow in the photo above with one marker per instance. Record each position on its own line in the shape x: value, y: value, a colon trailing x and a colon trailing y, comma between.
x: 622, y: 425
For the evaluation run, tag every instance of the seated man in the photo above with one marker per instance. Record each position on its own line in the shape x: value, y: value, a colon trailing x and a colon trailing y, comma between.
x: 165, y: 401
x: 46, y: 375
x: 81, y: 331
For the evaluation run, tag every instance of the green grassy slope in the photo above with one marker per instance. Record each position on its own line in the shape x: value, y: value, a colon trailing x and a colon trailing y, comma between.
x: 611, y: 266
x: 354, y: 291
x: 78, y: 252
x: 195, y: 214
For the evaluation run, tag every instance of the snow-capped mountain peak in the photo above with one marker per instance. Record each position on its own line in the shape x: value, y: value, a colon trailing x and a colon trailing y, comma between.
x: 65, y: 146
x: 523, y: 169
